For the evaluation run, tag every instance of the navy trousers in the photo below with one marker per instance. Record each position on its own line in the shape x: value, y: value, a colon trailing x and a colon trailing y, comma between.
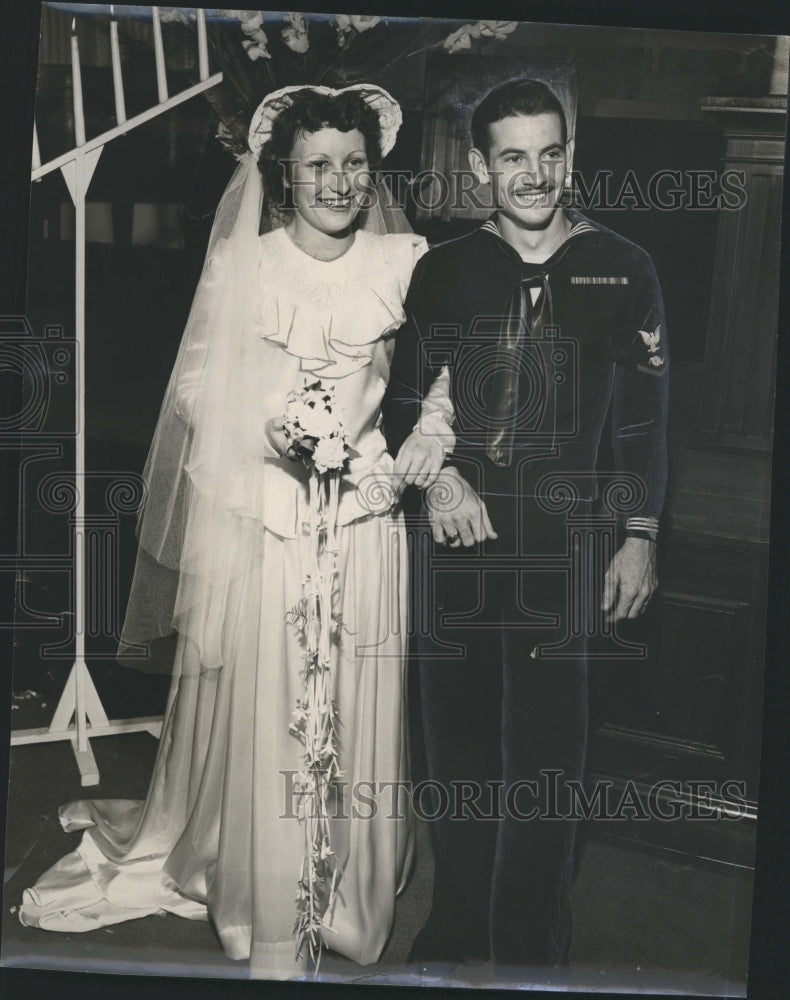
x: 505, y: 722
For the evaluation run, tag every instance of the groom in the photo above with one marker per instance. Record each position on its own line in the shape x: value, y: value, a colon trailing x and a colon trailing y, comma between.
x: 549, y: 324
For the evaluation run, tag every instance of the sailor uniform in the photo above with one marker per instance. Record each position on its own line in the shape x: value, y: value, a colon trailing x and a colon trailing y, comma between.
x: 539, y: 355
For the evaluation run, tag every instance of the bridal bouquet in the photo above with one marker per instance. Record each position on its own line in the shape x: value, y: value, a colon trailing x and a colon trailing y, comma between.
x: 315, y: 436
x: 313, y: 428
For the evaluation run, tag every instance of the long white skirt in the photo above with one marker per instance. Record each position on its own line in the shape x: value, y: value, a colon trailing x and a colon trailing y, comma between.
x: 218, y: 836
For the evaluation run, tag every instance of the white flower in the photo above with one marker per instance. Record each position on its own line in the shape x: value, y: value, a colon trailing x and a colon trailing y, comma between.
x: 295, y: 41
x: 330, y: 453
x: 346, y: 23
x: 304, y: 420
x: 311, y: 413
x: 343, y: 26
x: 300, y: 414
x: 462, y: 38
x: 364, y: 23
x: 496, y: 29
x: 256, y: 44
x: 256, y: 50
x: 295, y: 36
x: 252, y: 22
x: 323, y: 422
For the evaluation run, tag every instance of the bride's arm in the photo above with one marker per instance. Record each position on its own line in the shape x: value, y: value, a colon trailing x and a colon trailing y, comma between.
x: 421, y: 456
x: 418, y: 423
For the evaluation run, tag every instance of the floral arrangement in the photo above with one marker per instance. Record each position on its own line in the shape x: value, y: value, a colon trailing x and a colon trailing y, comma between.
x: 462, y: 39
x: 301, y: 49
x: 315, y: 436
x: 313, y: 429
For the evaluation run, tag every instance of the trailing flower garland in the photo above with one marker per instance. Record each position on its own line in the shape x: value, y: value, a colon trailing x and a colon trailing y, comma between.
x: 315, y: 436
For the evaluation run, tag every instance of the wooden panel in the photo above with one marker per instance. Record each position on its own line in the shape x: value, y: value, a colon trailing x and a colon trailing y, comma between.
x: 740, y: 366
x: 691, y: 710
x: 758, y: 408
x: 686, y: 690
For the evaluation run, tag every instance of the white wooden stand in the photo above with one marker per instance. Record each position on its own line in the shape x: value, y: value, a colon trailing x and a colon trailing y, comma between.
x: 79, y: 715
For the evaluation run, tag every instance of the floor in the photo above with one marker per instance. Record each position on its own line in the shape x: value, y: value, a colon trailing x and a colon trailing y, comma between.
x: 644, y: 920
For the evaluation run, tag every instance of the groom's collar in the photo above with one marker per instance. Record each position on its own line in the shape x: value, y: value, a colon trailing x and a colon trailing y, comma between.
x: 579, y: 226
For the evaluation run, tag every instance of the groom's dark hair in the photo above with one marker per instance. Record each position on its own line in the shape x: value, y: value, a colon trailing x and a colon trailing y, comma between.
x: 516, y: 97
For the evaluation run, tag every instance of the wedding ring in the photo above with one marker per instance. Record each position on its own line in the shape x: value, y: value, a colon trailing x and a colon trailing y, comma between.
x: 451, y: 538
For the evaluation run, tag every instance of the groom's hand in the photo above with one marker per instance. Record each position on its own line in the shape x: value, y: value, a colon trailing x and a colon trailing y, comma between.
x: 458, y: 516
x: 630, y: 580
x: 419, y: 461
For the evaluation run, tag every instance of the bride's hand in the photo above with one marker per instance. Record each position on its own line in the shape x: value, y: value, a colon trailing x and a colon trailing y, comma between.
x: 276, y: 436
x: 419, y: 461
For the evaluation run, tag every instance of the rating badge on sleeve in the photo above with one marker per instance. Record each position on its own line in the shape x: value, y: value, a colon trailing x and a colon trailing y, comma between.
x: 652, y: 342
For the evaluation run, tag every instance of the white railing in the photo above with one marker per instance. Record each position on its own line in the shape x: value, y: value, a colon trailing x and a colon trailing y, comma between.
x: 80, y: 714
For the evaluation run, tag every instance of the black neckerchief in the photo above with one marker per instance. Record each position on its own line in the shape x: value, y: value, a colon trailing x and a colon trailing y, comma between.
x: 522, y: 318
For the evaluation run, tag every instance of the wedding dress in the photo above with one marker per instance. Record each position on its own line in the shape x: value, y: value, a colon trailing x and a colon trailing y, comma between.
x: 223, y: 556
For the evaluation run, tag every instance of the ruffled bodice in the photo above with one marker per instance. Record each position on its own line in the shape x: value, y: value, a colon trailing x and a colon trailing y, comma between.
x: 328, y: 320
x: 331, y: 314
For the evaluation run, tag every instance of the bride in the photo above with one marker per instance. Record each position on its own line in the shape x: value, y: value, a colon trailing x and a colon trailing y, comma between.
x: 226, y: 538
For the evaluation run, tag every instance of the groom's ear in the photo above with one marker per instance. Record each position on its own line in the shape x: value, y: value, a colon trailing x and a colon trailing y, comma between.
x: 570, y: 149
x: 477, y: 162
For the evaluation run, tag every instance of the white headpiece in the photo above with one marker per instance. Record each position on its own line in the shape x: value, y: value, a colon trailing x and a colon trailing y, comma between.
x: 383, y: 103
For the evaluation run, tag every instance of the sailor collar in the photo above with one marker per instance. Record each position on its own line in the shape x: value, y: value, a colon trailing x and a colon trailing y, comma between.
x: 579, y: 226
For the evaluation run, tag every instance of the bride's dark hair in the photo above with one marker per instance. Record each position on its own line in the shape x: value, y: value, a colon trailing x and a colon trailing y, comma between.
x: 308, y: 111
